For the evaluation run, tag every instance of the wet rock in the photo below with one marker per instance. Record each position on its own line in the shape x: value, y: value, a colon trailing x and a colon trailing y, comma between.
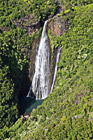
x: 57, y: 26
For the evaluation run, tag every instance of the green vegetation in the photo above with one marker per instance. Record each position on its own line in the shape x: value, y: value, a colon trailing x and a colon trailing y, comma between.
x: 15, y: 9
x: 73, y: 3
x: 67, y: 113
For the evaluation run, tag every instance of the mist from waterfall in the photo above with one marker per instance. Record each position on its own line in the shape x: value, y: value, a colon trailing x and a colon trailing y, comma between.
x: 41, y: 78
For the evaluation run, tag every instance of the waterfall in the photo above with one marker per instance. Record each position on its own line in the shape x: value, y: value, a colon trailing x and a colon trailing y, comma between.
x: 55, y: 71
x: 40, y: 83
x: 41, y: 78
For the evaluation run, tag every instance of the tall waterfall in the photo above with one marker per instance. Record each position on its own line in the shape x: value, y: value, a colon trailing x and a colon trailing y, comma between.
x: 55, y: 71
x: 41, y: 78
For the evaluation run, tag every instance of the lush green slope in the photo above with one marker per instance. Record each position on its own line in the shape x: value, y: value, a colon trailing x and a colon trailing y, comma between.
x: 67, y: 114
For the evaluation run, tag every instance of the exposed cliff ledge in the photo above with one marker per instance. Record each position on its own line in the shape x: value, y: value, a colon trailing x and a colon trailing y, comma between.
x: 29, y: 23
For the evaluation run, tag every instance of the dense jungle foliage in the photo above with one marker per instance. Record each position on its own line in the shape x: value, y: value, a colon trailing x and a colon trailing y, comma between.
x: 66, y: 114
x: 15, y: 9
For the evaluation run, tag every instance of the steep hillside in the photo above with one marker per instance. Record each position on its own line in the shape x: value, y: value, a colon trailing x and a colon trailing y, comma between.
x: 67, y: 114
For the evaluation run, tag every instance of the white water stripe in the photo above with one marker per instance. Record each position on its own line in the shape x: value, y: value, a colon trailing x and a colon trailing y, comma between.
x: 41, y: 78
x: 55, y: 72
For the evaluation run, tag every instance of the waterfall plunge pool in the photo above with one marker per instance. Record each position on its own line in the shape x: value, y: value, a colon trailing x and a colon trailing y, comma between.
x: 27, y: 105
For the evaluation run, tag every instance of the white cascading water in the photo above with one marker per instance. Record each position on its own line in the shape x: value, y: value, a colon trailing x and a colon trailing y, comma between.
x: 55, y: 71
x: 41, y: 79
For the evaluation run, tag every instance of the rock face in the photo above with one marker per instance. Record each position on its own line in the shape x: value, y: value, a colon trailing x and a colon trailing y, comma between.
x: 57, y: 25
x: 29, y: 23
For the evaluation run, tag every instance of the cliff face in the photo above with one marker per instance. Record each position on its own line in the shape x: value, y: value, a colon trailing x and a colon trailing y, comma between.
x: 57, y: 25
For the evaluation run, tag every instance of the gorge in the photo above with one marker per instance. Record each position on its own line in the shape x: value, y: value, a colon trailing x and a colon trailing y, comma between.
x: 43, y: 69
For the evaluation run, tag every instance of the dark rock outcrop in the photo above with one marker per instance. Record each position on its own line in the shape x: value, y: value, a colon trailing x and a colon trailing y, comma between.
x: 29, y: 23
